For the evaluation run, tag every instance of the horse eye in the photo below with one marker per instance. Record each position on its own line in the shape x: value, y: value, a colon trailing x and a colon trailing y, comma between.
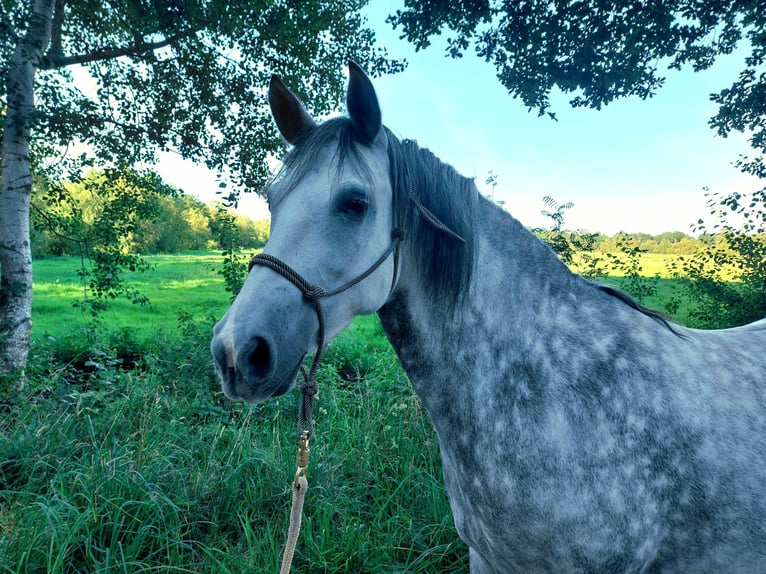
x: 356, y: 206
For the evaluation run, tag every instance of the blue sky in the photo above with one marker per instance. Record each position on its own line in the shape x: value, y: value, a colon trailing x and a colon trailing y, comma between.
x: 633, y: 166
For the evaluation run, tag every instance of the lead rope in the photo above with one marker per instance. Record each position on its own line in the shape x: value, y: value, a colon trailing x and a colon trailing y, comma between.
x: 309, y: 385
x: 300, y: 486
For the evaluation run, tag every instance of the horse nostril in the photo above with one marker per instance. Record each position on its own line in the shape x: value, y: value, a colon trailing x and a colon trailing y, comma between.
x: 260, y: 357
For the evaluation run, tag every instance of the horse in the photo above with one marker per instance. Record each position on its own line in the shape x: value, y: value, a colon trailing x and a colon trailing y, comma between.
x: 579, y: 432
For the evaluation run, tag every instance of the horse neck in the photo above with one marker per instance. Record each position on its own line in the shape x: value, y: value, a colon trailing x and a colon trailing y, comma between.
x: 515, y: 279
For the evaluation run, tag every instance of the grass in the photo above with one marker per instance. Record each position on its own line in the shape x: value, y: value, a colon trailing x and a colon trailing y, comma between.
x: 152, y: 469
x: 187, y: 283
x: 109, y: 465
x: 117, y: 461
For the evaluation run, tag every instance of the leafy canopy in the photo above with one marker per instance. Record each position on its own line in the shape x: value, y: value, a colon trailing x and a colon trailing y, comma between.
x: 129, y: 79
x: 600, y: 50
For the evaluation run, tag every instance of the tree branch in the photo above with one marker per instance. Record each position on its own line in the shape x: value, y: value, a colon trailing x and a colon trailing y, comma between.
x: 56, y: 25
x: 52, y: 226
x: 52, y: 60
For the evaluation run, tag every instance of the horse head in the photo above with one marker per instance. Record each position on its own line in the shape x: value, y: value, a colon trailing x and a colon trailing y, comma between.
x: 332, y: 218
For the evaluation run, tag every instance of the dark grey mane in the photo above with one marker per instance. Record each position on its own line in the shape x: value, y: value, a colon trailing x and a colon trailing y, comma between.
x: 444, y: 263
x: 632, y: 303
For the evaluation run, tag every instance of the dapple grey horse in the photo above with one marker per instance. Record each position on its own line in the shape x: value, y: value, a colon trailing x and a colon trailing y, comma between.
x: 579, y: 432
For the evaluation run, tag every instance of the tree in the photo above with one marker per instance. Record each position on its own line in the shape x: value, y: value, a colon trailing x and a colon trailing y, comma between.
x: 573, y: 248
x: 602, y: 50
x: 127, y: 79
x: 103, y: 219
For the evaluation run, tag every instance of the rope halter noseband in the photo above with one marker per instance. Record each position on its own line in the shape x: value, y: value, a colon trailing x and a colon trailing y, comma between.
x: 314, y: 295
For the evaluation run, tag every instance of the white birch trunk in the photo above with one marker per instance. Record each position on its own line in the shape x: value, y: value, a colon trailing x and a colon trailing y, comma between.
x: 15, y: 191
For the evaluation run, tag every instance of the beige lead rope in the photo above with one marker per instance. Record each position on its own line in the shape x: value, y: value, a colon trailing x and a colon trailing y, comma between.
x: 300, y: 486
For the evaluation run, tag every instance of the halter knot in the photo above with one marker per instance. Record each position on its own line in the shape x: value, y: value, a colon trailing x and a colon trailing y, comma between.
x: 313, y: 293
x: 309, y: 386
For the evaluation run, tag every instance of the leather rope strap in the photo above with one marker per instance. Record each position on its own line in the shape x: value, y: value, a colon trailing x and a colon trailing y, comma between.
x: 294, y: 530
x: 300, y: 486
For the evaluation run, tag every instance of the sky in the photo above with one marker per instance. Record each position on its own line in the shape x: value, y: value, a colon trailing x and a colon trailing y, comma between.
x: 634, y: 166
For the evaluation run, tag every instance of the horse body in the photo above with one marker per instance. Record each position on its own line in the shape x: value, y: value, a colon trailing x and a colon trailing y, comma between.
x: 578, y: 431
x: 575, y: 432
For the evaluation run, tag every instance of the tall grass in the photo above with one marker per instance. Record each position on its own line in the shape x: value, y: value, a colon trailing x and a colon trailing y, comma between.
x: 151, y: 469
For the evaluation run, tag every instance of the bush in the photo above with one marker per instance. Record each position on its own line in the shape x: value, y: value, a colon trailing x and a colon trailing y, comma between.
x: 726, y: 278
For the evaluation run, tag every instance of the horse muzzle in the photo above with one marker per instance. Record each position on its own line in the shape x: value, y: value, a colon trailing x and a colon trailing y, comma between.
x: 252, y: 372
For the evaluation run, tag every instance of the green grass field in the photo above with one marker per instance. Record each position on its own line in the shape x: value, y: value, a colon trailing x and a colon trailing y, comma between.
x: 141, y: 465
x: 186, y: 282
x: 189, y: 283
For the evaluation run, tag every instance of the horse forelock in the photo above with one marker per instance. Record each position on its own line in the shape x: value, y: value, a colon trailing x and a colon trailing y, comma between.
x: 444, y: 264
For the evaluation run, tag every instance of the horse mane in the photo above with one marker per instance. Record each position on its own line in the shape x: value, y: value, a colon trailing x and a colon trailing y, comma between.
x: 445, y: 264
x: 633, y: 304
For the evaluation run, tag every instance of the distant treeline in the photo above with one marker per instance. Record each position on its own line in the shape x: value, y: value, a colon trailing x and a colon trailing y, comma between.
x: 146, y: 216
x: 184, y: 223
x: 133, y: 212
x: 672, y: 242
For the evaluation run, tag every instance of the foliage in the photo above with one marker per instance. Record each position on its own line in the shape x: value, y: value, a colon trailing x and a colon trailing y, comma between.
x: 63, y: 217
x: 726, y: 279
x: 113, y: 218
x: 131, y: 79
x: 628, y: 264
x: 580, y: 250
x: 605, y: 50
x: 568, y: 245
x: 234, y: 264
x: 182, y: 224
x: 106, y: 228
x: 675, y: 242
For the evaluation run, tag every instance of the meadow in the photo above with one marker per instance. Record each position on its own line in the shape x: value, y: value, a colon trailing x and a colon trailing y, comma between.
x: 188, y: 282
x: 122, y: 455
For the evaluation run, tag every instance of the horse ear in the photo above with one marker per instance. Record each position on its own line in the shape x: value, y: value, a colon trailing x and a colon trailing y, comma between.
x: 362, y: 104
x: 292, y: 118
